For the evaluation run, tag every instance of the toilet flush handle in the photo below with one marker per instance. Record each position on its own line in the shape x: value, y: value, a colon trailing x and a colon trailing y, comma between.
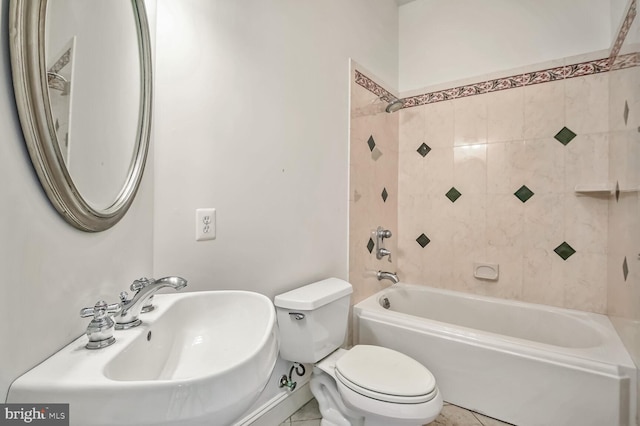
x: 296, y: 315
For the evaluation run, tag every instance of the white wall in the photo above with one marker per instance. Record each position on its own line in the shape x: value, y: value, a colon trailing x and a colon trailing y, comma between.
x: 49, y: 269
x: 252, y: 119
x: 443, y: 41
x: 619, y: 10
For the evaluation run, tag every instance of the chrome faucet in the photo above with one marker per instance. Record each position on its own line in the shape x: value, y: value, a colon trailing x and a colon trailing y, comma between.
x: 391, y: 276
x: 144, y: 289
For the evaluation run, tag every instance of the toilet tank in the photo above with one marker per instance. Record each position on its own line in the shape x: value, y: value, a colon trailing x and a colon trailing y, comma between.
x: 313, y: 319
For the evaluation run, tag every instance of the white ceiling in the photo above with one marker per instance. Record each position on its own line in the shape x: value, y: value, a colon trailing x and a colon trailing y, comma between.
x: 401, y: 2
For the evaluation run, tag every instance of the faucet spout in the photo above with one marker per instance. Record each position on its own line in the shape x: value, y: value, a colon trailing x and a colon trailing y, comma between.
x: 145, y: 288
x: 391, y: 276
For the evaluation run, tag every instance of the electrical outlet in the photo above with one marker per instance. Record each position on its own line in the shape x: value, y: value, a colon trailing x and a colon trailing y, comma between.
x: 205, y: 224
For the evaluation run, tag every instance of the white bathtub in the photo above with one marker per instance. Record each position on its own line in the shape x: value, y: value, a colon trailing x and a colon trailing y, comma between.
x: 522, y: 363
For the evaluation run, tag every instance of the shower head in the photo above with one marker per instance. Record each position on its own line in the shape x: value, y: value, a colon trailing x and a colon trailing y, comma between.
x: 395, y: 105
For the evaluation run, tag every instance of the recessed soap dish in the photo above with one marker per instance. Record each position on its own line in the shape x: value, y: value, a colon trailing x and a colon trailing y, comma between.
x: 486, y: 271
x: 595, y: 189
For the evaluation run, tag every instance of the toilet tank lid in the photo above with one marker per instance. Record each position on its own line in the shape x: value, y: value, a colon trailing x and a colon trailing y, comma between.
x: 313, y: 296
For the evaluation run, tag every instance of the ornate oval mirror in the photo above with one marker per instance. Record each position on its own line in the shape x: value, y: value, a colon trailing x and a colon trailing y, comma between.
x: 83, y: 87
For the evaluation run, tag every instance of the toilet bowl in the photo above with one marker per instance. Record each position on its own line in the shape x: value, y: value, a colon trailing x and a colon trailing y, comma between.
x: 365, y: 385
x: 378, y: 385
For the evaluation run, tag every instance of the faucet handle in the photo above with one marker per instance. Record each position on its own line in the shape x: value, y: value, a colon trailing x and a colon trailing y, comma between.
x: 140, y: 283
x: 383, y: 233
x: 100, y: 329
x: 382, y: 252
x: 100, y: 310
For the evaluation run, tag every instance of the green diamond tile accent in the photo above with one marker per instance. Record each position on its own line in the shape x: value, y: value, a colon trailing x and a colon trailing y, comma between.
x: 625, y: 114
x: 625, y: 268
x: 565, y: 136
x: 384, y: 195
x: 424, y: 149
x: 453, y: 194
x: 371, y: 143
x: 564, y: 250
x: 370, y: 245
x: 423, y: 240
x: 523, y: 193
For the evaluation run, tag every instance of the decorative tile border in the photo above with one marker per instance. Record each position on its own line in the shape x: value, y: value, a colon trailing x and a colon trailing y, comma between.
x: 535, y: 77
x: 519, y: 80
x: 587, y: 68
x: 54, y: 79
x: 626, y: 61
x: 622, y: 35
x: 62, y: 61
x: 613, y: 62
x: 373, y: 87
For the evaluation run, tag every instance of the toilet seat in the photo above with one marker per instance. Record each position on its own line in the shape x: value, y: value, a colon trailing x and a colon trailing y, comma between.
x: 385, y: 375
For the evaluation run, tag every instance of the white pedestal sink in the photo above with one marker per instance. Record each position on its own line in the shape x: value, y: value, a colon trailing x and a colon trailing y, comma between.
x: 198, y: 359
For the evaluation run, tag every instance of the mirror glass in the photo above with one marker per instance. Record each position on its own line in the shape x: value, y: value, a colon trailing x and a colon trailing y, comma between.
x: 93, y: 70
x: 82, y: 77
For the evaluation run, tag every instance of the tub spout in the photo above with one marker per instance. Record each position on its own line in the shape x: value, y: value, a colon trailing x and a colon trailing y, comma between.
x: 391, y: 276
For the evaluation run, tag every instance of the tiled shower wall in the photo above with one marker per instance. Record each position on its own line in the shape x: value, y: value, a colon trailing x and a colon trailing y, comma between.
x: 496, y: 185
x: 488, y: 173
x: 492, y: 178
x: 373, y: 199
x: 623, y: 280
x: 486, y: 178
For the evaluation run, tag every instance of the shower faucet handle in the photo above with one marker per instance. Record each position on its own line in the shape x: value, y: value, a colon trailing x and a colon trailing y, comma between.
x: 382, y: 252
x: 383, y: 233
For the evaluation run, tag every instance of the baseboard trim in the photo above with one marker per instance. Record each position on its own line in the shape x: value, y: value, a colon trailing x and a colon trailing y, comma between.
x: 278, y: 408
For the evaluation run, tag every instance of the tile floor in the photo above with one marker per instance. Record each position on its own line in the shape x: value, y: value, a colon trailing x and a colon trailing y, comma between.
x: 451, y: 415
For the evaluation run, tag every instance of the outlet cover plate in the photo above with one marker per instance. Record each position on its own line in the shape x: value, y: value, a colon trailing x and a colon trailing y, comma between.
x: 205, y: 224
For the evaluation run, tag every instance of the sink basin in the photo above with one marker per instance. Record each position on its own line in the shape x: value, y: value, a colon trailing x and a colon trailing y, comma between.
x: 198, y: 359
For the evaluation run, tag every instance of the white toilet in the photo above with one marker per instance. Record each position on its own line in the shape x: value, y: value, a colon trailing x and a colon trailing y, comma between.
x: 366, y: 385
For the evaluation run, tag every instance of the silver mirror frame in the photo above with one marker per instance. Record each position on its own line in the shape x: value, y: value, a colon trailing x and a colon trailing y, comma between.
x: 26, y: 34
